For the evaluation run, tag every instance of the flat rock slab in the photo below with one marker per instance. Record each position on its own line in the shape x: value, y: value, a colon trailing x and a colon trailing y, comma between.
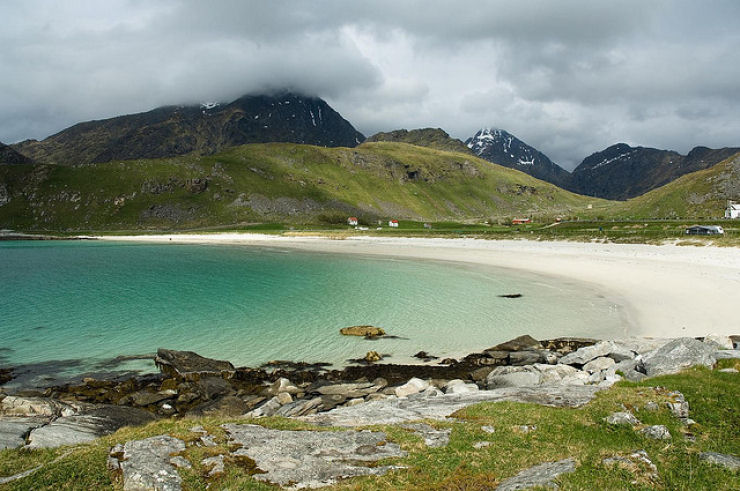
x: 727, y: 461
x: 541, y: 475
x: 13, y: 431
x: 147, y: 464
x: 86, y: 426
x: 432, y: 437
x: 310, y: 459
x: 401, y: 410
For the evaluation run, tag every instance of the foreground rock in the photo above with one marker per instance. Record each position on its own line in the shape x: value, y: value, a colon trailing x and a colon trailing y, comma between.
x: 542, y: 475
x: 147, y: 464
x: 727, y: 461
x: 401, y: 410
x: 311, y: 458
x: 44, y: 423
x: 189, y: 365
x: 678, y: 354
x: 13, y: 431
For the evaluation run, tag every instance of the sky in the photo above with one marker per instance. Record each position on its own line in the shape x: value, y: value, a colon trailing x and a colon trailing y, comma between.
x: 569, y: 77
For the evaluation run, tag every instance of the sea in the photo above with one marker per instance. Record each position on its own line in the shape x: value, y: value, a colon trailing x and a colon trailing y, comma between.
x: 75, y: 308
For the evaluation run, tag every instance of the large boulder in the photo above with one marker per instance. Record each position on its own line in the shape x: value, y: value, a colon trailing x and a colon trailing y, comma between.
x: 718, y: 341
x: 509, y: 376
x: 413, y: 386
x: 534, y: 375
x: 610, y: 349
x: 677, y: 355
x: 189, y: 365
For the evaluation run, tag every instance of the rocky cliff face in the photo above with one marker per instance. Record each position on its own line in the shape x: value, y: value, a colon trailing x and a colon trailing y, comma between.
x: 205, y: 128
x: 503, y: 148
x: 622, y: 172
x: 10, y: 156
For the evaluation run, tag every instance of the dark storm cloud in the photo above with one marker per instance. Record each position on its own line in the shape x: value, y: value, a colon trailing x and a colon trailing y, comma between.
x: 569, y: 77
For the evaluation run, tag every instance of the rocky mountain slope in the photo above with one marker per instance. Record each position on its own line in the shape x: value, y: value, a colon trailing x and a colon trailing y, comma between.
x: 10, y: 156
x: 503, y: 148
x: 278, y: 182
x: 204, y: 128
x: 424, y: 137
x: 622, y: 172
x: 700, y: 194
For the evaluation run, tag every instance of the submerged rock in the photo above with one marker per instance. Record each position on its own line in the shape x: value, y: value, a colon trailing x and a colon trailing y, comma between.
x: 367, y: 331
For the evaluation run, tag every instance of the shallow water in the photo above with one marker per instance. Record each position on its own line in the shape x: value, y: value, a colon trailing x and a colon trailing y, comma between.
x: 92, y: 301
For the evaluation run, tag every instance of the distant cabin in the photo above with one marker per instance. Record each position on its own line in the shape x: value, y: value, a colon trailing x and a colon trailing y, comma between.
x: 733, y: 210
x: 705, y: 230
x: 352, y: 221
x: 393, y: 223
x: 519, y: 221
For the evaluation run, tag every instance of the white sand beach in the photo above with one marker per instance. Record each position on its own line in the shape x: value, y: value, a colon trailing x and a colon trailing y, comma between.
x: 666, y: 290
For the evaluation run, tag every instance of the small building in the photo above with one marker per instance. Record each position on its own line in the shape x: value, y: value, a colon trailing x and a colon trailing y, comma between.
x: 519, y: 221
x: 705, y: 230
x: 393, y: 223
x: 352, y: 221
x: 733, y: 210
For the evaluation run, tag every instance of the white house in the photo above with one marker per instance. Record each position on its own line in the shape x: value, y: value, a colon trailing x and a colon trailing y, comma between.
x: 352, y: 221
x: 733, y: 210
x: 393, y: 223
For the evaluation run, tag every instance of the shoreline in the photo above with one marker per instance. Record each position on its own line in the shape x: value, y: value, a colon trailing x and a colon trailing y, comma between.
x: 665, y: 291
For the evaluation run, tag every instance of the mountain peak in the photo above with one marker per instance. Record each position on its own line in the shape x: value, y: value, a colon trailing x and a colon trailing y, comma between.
x: 204, y: 128
x: 501, y: 147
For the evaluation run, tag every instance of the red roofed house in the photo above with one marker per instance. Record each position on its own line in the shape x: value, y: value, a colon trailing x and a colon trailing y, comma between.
x: 393, y: 223
x: 519, y: 221
x: 352, y: 221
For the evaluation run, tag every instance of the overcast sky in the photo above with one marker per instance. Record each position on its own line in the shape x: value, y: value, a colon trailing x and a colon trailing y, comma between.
x: 568, y: 77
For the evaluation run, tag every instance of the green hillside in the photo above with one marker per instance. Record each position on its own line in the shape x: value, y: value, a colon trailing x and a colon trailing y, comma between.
x: 701, y: 194
x: 276, y: 182
x: 423, y: 137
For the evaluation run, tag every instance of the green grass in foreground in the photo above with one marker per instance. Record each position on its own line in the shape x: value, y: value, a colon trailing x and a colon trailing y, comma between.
x: 581, y: 434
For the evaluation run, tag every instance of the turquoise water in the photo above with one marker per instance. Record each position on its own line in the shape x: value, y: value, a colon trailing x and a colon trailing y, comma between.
x: 92, y: 301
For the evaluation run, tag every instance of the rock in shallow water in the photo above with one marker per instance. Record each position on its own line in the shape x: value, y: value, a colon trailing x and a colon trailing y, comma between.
x: 188, y: 364
x: 311, y: 458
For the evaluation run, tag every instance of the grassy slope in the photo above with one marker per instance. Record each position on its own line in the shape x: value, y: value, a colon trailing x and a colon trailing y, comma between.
x: 581, y: 434
x: 293, y: 183
x: 699, y: 194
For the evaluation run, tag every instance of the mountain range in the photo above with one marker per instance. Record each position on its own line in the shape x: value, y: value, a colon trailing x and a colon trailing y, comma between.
x: 206, y: 128
x: 296, y: 181
x: 618, y: 172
